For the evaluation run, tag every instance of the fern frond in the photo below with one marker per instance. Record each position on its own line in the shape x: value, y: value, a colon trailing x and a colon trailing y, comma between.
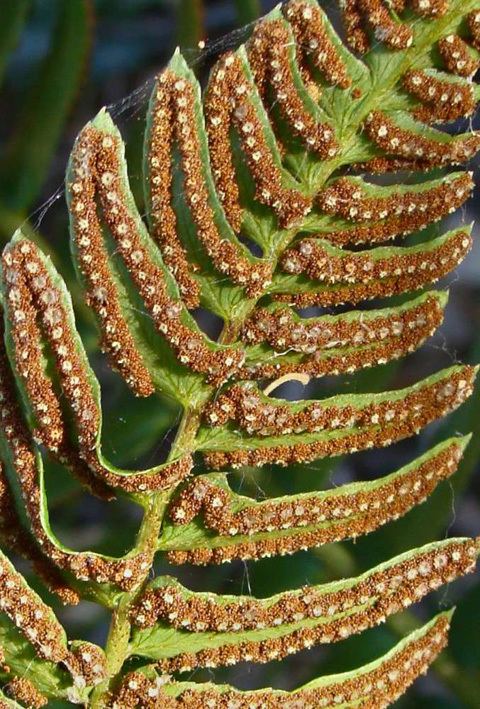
x: 268, y: 431
x: 339, y: 276
x: 35, y: 290
x: 248, y: 529
x: 98, y: 168
x: 25, y: 478
x: 367, y: 214
x: 255, y: 208
x: 34, y: 642
x: 380, y: 683
x: 214, y: 630
x: 282, y: 342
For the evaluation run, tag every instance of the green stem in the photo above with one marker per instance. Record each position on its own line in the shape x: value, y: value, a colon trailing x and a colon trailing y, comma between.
x: 117, y: 646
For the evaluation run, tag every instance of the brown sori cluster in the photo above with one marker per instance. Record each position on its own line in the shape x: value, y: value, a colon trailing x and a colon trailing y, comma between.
x: 340, y: 614
x: 443, y: 100
x: 83, y: 565
x: 98, y: 153
x: 374, y: 688
x: 3, y: 664
x: 312, y: 41
x: 383, y: 218
x: 102, y: 292
x: 136, y: 691
x: 176, y: 92
x: 430, y: 8
x: 378, y: 17
x: 218, y: 109
x: 356, y: 276
x: 268, y: 54
x: 381, y: 165
x: 284, y: 330
x: 381, y: 592
x: 88, y: 662
x: 415, y: 487
x: 12, y: 535
x: 22, y: 690
x: 457, y: 57
x: 356, y: 36
x: 26, y: 340
x: 372, y: 340
x: 50, y: 575
x: 345, y: 197
x: 162, y: 478
x: 260, y: 416
x: 382, y: 130
x: 358, y: 15
x: 384, y: 423
x: 227, y: 102
x: 160, y: 176
x: 30, y: 615
x: 30, y: 291
x: 473, y: 21
x: 373, y: 504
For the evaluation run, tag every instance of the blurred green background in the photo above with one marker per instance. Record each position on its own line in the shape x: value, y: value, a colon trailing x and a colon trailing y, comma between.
x: 60, y: 62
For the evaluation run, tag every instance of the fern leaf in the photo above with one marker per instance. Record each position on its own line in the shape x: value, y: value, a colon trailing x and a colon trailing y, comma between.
x: 343, y: 276
x: 42, y: 291
x: 25, y: 480
x: 380, y: 683
x: 365, y: 213
x: 248, y: 529
x: 282, y: 342
x: 178, y: 88
x: 15, y: 537
x: 254, y: 208
x: 268, y: 431
x: 226, y: 630
x: 34, y: 643
x: 98, y: 165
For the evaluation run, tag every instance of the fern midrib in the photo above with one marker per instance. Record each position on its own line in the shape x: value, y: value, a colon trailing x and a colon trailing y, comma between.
x: 117, y: 647
x: 148, y: 646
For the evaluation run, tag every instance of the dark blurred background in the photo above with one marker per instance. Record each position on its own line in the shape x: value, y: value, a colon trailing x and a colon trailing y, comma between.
x: 60, y: 62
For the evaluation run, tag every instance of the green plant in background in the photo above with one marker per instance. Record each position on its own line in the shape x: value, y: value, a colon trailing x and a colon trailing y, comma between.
x: 190, y: 19
x: 252, y: 214
x: 29, y: 150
